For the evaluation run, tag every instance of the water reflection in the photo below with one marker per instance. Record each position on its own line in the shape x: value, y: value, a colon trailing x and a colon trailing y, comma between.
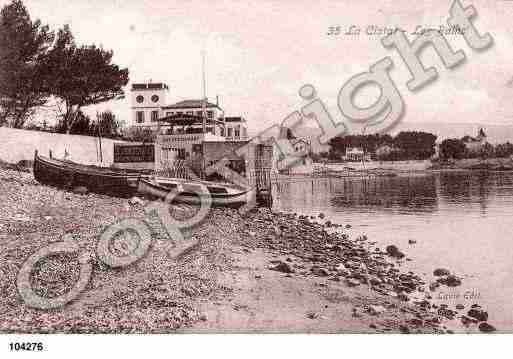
x: 415, y: 193
x: 419, y: 193
x: 465, y: 188
x: 459, y: 220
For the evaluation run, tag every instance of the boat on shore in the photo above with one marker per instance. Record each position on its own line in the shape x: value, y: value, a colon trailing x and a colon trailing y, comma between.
x: 122, y: 183
x: 193, y: 192
x: 70, y: 175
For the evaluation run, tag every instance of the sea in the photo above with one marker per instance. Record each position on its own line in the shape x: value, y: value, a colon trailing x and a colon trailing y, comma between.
x: 461, y: 221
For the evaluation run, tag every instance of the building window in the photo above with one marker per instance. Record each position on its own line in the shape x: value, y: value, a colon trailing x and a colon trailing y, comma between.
x: 199, y: 113
x: 155, y: 98
x: 169, y: 154
x: 139, y: 99
x: 139, y: 116
x: 154, y: 116
x: 237, y: 132
x: 222, y: 131
x: 210, y: 115
x: 230, y: 131
x: 165, y: 154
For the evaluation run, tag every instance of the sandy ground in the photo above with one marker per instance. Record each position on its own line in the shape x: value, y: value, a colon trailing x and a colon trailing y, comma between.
x: 266, y: 301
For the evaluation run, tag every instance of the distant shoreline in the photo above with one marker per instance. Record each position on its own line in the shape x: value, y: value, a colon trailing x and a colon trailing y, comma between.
x: 414, y: 166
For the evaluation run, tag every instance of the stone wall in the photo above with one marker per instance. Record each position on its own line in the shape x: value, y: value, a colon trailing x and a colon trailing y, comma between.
x: 17, y: 145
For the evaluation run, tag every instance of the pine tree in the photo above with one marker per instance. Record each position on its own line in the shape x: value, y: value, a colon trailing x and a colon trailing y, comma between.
x: 82, y: 76
x: 24, y: 44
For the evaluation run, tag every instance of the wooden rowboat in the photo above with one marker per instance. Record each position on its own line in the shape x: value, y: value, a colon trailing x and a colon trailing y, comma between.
x: 70, y: 175
x: 193, y: 192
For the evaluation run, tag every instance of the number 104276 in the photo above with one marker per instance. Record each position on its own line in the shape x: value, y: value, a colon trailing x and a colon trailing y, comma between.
x: 26, y: 346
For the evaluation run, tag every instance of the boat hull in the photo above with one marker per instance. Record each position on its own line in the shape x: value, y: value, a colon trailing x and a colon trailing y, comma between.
x: 70, y: 175
x: 226, y: 200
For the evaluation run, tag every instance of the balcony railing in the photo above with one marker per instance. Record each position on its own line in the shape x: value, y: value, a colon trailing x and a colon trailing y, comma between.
x: 182, y: 137
x: 188, y: 138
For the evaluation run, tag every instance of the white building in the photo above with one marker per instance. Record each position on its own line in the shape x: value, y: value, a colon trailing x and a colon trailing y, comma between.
x: 475, y: 144
x: 356, y: 154
x: 235, y: 129
x: 296, y: 151
x: 147, y: 102
x: 150, y: 109
x: 193, y: 108
x: 182, y: 128
x: 301, y: 146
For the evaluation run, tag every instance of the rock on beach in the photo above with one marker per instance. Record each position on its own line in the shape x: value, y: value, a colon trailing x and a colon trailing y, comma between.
x: 450, y: 280
x: 478, y: 314
x: 486, y: 328
x: 282, y: 267
x: 439, y: 272
x: 394, y: 252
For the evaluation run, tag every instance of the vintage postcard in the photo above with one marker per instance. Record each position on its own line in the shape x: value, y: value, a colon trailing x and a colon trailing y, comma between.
x: 256, y: 167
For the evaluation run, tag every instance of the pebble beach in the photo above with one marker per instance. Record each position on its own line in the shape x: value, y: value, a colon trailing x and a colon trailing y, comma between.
x: 326, y: 280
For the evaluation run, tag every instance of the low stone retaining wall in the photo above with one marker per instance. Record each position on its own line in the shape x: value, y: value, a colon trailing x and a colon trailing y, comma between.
x: 17, y: 145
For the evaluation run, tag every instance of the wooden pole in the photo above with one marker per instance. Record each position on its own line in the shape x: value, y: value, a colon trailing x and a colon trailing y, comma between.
x: 204, y: 104
x: 98, y: 120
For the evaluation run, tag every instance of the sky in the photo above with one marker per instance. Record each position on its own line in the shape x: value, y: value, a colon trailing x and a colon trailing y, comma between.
x: 259, y: 53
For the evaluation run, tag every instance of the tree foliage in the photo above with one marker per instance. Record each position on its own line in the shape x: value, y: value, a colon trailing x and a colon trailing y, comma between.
x: 367, y: 142
x: 416, y: 145
x: 452, y: 148
x: 503, y: 150
x: 105, y: 125
x: 108, y: 125
x: 82, y: 76
x: 24, y: 46
x: 36, y: 64
x: 407, y: 145
x: 140, y: 134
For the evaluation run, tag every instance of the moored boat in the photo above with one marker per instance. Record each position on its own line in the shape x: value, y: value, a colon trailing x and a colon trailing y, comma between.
x: 193, y: 192
x: 67, y: 174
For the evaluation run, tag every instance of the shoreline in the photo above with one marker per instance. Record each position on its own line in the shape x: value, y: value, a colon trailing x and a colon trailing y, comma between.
x: 491, y: 165
x: 268, y: 256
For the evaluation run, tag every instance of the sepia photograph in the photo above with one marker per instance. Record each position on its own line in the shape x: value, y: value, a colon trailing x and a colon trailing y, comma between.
x: 227, y: 169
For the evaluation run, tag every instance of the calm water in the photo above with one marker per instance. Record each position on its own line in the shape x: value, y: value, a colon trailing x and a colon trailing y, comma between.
x: 461, y: 221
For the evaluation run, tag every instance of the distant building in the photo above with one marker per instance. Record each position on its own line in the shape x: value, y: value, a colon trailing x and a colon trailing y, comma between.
x: 301, y: 145
x: 296, y: 151
x: 475, y: 144
x: 385, y: 150
x: 356, y: 154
